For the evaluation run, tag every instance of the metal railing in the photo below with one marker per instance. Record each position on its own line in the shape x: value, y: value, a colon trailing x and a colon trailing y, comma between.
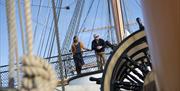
x: 68, y: 66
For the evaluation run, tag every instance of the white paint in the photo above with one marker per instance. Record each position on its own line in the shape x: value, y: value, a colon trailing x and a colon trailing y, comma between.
x: 83, y: 84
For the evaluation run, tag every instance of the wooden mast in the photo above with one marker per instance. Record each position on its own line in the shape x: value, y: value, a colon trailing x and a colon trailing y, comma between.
x: 162, y: 22
x: 118, y: 19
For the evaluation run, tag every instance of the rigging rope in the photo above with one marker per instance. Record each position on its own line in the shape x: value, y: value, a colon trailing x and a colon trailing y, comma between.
x: 22, y: 37
x: 37, y: 20
x: 11, y: 19
x: 94, y: 22
x: 38, y: 74
x: 17, y: 63
x: 28, y: 23
x: 21, y: 25
x: 41, y: 35
x: 110, y: 21
x: 58, y: 43
x: 79, y: 17
x: 42, y: 38
x: 45, y: 29
x: 125, y: 15
x: 47, y: 43
x: 51, y: 45
x: 53, y: 33
x: 81, y: 28
x: 138, y: 4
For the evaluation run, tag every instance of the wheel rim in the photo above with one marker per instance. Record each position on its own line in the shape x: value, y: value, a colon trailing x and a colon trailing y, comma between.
x: 128, y: 66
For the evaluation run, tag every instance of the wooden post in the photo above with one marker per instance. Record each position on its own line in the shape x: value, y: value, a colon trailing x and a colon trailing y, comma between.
x: 162, y: 23
x: 118, y: 19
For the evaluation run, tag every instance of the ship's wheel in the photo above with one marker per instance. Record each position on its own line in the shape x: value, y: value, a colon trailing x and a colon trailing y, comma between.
x: 127, y: 68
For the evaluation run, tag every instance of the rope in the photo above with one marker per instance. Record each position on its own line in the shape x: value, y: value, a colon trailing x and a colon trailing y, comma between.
x: 17, y: 62
x: 38, y: 74
x: 28, y: 27
x: 125, y: 17
x: 10, y: 10
x: 40, y: 40
x: 81, y: 28
x: 21, y: 25
x: 79, y: 17
x: 138, y: 4
x: 51, y: 45
x: 94, y: 21
x: 47, y: 43
x: 35, y: 31
x: 22, y: 37
x: 110, y: 21
x: 53, y: 35
x: 58, y: 43
x: 41, y: 45
x: 53, y: 32
x: 51, y: 29
x: 17, y: 58
x: 42, y: 35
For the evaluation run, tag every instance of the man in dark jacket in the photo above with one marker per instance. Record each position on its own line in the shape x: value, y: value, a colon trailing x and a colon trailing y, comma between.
x: 98, y: 45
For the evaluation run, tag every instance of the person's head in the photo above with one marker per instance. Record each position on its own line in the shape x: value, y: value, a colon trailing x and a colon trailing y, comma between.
x: 96, y: 37
x: 75, y: 39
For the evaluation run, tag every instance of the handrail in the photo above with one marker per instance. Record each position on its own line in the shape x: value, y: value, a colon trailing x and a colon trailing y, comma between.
x: 89, y: 67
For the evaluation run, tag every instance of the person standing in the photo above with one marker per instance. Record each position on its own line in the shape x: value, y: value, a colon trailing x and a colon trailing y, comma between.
x: 98, y: 45
x: 77, y: 50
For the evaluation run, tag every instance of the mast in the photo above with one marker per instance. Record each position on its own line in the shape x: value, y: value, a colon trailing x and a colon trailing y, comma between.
x: 162, y: 22
x: 118, y: 19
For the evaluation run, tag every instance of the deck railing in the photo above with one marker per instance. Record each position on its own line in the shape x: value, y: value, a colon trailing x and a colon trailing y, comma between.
x: 68, y: 66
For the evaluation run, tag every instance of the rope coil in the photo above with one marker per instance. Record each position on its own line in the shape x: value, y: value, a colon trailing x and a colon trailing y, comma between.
x: 38, y: 75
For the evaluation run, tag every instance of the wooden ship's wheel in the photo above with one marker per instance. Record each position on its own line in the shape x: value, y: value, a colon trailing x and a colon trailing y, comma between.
x: 128, y: 66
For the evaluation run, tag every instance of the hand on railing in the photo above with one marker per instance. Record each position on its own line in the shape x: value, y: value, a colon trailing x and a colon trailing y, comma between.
x: 112, y: 46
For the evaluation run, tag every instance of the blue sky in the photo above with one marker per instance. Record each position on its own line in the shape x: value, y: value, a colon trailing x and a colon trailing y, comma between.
x: 132, y: 8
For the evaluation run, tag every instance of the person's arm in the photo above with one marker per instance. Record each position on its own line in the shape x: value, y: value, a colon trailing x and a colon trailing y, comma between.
x: 82, y: 46
x: 108, y: 44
